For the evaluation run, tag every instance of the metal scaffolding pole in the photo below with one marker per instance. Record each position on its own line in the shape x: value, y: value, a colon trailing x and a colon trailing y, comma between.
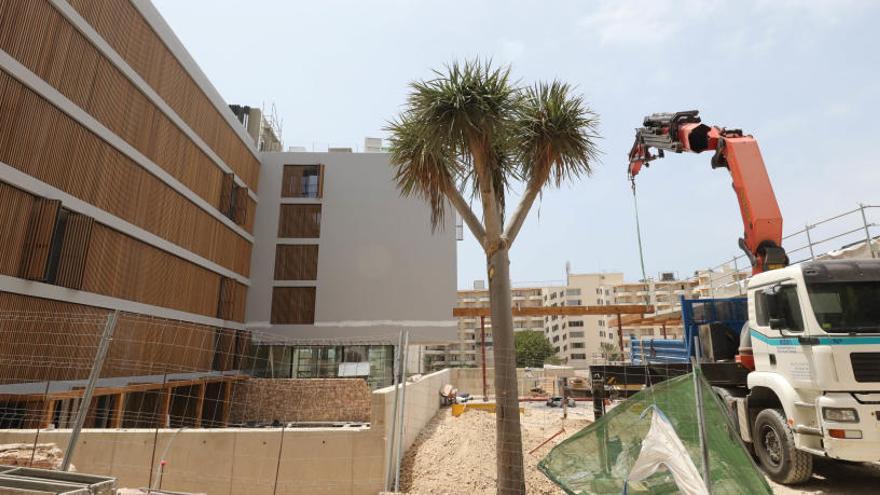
x: 103, y: 347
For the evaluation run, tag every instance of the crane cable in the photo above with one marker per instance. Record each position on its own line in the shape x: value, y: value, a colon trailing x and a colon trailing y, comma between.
x: 639, y: 237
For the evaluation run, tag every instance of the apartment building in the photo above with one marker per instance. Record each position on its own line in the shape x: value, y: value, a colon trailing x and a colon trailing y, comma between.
x: 578, y: 338
x: 127, y: 183
x: 466, y: 351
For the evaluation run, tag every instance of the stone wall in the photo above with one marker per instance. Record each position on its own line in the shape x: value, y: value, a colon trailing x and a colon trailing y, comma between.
x: 265, y: 400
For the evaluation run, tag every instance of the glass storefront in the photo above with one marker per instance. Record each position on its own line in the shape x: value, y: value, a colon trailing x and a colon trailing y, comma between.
x: 287, y: 361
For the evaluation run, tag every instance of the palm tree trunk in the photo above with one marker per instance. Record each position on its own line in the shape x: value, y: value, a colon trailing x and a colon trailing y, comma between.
x: 509, y: 467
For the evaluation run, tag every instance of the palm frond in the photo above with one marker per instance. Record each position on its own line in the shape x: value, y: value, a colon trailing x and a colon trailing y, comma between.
x: 555, y: 133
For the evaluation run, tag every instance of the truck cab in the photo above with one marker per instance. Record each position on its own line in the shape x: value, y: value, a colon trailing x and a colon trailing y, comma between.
x: 815, y: 390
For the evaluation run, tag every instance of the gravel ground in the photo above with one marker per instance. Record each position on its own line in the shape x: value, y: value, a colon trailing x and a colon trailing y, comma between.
x: 456, y: 456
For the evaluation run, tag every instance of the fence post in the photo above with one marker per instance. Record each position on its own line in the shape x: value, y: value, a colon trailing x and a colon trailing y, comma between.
x: 701, y: 421
x: 807, y: 228
x: 867, y: 232
x: 103, y: 347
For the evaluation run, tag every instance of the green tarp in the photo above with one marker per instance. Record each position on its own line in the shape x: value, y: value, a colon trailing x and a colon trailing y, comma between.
x: 597, y: 459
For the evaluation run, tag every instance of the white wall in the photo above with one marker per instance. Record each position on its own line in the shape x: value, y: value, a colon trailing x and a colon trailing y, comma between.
x: 380, y: 268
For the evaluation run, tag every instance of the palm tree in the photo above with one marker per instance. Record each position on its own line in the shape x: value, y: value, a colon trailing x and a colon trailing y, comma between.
x: 470, y: 132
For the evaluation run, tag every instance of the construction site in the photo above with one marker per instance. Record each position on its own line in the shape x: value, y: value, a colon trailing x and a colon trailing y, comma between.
x: 190, y: 307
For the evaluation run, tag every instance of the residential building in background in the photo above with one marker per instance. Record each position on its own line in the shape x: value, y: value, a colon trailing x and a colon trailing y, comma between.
x: 466, y: 351
x: 578, y: 338
x: 127, y: 183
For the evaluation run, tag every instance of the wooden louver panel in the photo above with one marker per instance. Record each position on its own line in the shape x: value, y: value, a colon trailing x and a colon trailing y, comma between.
x: 38, y: 240
x: 296, y: 262
x: 300, y: 221
x: 226, y: 193
x: 293, y: 184
x: 231, y: 300
x: 240, y: 202
x: 15, y: 207
x: 293, y: 305
x: 74, y: 249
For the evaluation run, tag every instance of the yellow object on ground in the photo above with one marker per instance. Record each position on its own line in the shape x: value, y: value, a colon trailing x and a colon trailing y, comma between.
x: 459, y: 409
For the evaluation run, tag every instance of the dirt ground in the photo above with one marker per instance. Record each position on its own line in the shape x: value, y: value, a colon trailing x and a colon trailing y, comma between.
x: 456, y: 456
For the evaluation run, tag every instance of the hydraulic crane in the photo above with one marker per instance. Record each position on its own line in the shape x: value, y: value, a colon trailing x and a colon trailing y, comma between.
x: 739, y: 154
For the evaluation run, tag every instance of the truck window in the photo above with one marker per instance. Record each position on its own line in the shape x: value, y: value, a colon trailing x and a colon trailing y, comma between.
x: 790, y: 308
x: 763, y: 319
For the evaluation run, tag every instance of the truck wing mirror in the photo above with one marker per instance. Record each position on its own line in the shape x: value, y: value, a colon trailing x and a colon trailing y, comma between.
x: 778, y: 323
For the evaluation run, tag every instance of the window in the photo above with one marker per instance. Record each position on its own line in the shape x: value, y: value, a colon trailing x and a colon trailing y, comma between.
x: 576, y: 323
x: 293, y: 305
x: 579, y: 356
x: 573, y: 292
x: 565, y: 336
x: 846, y: 306
x: 300, y: 221
x: 601, y: 323
x: 38, y: 239
x: 576, y: 335
x: 565, y: 348
x: 577, y: 345
x: 789, y: 308
x: 601, y: 333
x: 556, y: 339
x: 555, y: 327
x: 302, y: 181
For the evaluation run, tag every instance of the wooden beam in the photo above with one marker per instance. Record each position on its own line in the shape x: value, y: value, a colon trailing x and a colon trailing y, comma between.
x: 138, y: 387
x: 48, y: 413
x: 622, y: 309
x: 164, y: 420
x: 118, y: 411
x: 200, y: 404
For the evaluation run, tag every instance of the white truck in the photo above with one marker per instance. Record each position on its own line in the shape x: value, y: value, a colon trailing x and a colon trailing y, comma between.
x: 805, y: 380
x: 814, y: 330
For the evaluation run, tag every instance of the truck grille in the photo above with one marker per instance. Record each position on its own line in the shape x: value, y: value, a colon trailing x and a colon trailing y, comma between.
x: 866, y: 366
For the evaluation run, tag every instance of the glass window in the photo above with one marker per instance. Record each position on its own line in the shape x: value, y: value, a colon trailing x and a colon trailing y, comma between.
x: 846, y: 306
x: 576, y: 335
x: 790, y: 308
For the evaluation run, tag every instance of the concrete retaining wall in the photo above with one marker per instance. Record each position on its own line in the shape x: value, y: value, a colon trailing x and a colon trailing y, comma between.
x: 233, y: 461
x: 265, y: 400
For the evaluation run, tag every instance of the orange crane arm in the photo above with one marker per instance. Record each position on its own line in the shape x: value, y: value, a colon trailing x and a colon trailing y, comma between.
x: 683, y: 131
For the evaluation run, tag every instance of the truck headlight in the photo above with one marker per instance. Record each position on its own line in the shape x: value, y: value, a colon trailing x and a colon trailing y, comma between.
x: 840, y: 414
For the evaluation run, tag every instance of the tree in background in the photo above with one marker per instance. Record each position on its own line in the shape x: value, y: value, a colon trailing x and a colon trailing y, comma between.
x: 610, y: 352
x: 532, y: 349
x: 472, y: 133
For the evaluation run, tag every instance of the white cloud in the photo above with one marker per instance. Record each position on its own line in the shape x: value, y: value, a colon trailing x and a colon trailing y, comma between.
x: 641, y: 23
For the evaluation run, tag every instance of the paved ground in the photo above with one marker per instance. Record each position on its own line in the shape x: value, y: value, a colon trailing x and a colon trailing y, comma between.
x: 837, y: 478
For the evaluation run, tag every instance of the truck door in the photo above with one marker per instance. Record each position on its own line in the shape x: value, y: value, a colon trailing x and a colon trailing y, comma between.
x: 780, y: 322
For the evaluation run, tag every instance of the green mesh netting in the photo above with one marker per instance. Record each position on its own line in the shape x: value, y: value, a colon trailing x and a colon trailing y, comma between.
x: 597, y: 459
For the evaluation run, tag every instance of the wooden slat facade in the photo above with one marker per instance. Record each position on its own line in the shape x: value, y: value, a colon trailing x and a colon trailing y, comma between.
x: 296, y: 262
x: 41, y: 39
x: 122, y: 26
x: 41, y: 141
x: 293, y: 305
x: 59, y: 348
x: 123, y: 267
x: 300, y: 221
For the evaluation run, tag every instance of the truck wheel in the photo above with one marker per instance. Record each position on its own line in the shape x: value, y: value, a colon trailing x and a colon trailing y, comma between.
x: 774, y: 445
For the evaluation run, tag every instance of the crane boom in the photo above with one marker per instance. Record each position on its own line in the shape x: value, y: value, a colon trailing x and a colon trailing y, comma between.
x: 739, y: 154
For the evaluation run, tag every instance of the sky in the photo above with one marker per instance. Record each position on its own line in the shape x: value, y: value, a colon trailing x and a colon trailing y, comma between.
x: 803, y: 77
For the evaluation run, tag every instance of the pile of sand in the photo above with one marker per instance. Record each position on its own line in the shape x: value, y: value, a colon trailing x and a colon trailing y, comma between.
x: 453, y: 456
